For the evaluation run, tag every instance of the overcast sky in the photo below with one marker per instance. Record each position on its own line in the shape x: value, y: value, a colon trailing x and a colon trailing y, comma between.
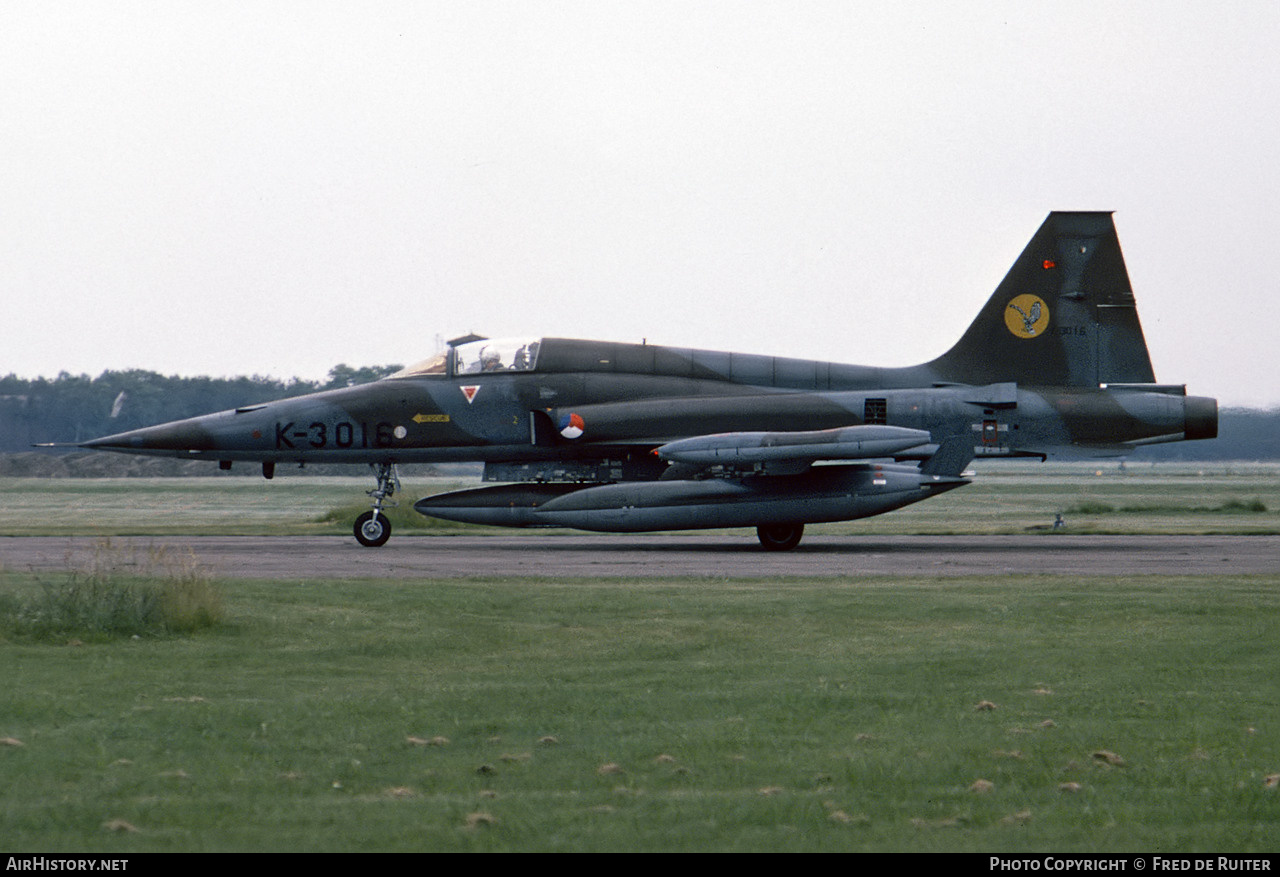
x: 274, y: 188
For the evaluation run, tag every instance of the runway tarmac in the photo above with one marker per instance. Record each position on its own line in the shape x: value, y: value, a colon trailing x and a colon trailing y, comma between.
x: 653, y: 556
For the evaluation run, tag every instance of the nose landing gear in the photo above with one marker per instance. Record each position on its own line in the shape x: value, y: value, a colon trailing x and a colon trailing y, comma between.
x: 372, y: 529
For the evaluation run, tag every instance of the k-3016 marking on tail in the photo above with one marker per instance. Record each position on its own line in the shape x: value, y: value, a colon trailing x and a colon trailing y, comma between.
x: 624, y: 437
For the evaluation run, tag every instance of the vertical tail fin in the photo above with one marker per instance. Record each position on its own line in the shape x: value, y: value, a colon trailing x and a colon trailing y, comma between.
x: 1064, y: 315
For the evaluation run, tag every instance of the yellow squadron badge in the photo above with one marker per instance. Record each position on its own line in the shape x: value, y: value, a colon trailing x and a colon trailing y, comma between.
x: 1027, y: 316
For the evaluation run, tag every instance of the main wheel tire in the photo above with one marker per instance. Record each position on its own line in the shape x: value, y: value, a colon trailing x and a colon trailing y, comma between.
x: 780, y: 537
x: 372, y: 529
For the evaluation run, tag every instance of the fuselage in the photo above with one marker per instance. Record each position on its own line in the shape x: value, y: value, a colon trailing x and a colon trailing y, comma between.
x: 639, y: 396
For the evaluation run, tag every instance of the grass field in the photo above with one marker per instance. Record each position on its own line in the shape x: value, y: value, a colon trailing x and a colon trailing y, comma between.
x: 1005, y: 714
x: 1124, y: 714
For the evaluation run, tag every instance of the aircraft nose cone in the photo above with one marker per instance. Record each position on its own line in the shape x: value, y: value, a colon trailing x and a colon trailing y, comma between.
x: 177, y: 437
x: 119, y: 441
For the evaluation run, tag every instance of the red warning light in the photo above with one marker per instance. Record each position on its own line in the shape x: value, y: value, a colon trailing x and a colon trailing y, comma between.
x: 1049, y: 263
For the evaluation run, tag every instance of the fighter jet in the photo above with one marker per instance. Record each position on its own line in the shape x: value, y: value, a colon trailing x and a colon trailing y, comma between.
x: 619, y: 437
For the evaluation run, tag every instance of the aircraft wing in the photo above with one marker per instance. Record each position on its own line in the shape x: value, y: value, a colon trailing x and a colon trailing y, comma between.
x: 768, y: 482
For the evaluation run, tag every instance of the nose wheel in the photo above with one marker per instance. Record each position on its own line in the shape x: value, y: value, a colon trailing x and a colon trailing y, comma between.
x: 372, y: 529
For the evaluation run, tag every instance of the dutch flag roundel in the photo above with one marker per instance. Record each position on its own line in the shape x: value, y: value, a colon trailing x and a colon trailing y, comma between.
x: 571, y: 426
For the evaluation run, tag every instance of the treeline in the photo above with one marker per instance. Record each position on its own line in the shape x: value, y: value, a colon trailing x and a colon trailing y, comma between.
x: 75, y: 408
x: 1243, y: 434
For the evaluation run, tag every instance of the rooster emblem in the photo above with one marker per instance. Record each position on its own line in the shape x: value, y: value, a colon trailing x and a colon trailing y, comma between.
x: 1026, y: 316
x: 1028, y: 320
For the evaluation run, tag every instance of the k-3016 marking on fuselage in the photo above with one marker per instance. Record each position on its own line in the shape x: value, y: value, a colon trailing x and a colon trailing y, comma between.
x: 343, y: 435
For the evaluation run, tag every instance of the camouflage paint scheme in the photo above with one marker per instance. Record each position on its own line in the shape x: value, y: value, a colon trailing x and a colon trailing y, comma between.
x: 600, y: 435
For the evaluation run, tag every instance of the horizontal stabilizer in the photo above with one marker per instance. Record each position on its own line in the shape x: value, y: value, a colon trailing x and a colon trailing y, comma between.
x: 952, y: 456
x: 748, y: 448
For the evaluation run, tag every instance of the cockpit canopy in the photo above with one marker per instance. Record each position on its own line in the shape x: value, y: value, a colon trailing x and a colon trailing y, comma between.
x: 485, y: 355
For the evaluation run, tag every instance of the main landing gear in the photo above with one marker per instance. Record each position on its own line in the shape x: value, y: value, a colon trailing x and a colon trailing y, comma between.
x: 372, y: 528
x: 780, y: 537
